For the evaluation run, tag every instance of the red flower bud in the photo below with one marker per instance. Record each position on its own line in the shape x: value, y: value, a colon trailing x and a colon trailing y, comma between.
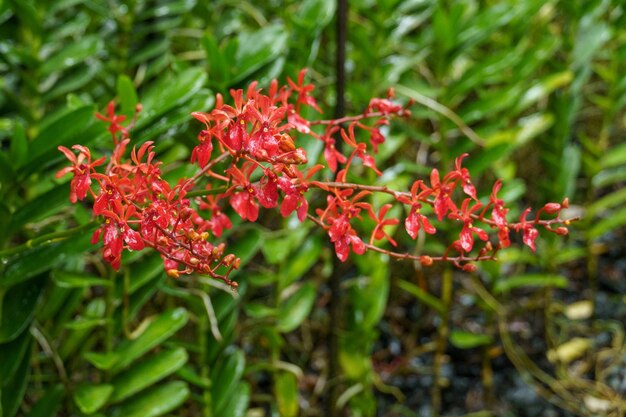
x: 552, y: 208
x: 469, y: 268
x: 228, y: 259
x: 562, y: 231
x: 426, y: 260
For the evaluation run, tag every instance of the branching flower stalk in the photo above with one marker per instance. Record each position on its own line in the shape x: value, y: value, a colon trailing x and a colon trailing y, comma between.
x: 261, y: 163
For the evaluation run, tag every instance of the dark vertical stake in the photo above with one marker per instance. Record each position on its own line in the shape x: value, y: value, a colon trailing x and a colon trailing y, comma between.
x: 338, y: 267
x: 340, y: 60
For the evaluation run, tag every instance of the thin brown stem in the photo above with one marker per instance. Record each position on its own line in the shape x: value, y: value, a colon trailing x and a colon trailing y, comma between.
x: 358, y: 117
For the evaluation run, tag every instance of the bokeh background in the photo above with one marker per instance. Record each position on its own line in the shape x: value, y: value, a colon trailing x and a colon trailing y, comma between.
x: 534, y: 90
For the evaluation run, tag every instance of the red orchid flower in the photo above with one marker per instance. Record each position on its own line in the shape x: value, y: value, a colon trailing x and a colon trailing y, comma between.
x: 498, y: 214
x: 243, y: 202
x: 528, y: 229
x: 202, y: 152
x: 115, y: 232
x: 303, y: 91
x: 114, y: 121
x: 264, y: 142
x: 415, y: 220
x: 155, y: 218
x: 442, y: 191
x: 378, y: 232
x: 466, y: 237
x: 360, y: 149
x: 81, y: 182
x: 332, y: 155
x: 344, y: 237
x: 463, y: 175
x: 267, y: 190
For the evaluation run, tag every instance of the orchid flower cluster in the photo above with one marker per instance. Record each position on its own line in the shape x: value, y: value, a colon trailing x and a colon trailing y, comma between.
x: 252, y: 150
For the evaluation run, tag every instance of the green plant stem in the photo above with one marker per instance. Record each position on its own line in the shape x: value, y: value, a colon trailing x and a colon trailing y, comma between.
x: 205, y: 369
x: 45, y: 239
x: 487, y: 377
x: 442, y: 341
x: 109, y: 312
x: 126, y: 307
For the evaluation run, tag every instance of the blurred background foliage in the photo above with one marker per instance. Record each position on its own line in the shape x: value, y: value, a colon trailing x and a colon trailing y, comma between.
x: 535, y: 90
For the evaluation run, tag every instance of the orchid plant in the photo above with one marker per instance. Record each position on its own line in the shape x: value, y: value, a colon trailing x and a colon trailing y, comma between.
x: 250, y: 154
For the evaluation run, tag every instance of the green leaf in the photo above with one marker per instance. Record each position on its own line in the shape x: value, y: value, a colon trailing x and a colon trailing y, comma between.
x: 28, y: 14
x: 218, y: 66
x: 616, y: 157
x: 40, y: 207
x: 614, y: 199
x: 225, y: 379
x: 66, y: 279
x: 258, y: 311
x: 259, y: 48
x: 532, y: 126
x: 423, y: 296
x: 277, y: 246
x: 301, y: 261
x: 315, y: 14
x: 147, y: 372
x: 190, y: 375
x: 17, y: 309
x: 160, y: 328
x: 177, y: 119
x: 286, y: 390
x: 84, y: 323
x: 611, y: 222
x: 19, y: 144
x: 49, y: 403
x: 127, y: 95
x: 158, y: 47
x: 296, y: 308
x: 568, y: 172
x: 94, y: 311
x: 238, y: 404
x: 91, y: 398
x: 144, y: 294
x: 469, y: 340
x: 5, y: 221
x: 609, y: 177
x: 7, y: 173
x: 169, y: 93
x: 61, y: 132
x: 589, y: 39
x: 154, y: 402
x: 73, y: 54
x: 354, y: 356
x: 11, y: 355
x: 73, y: 80
x: 104, y: 361
x: 32, y: 262
x: 143, y: 272
x: 544, y: 88
x: 529, y: 280
x: 369, y: 295
x: 13, y: 391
